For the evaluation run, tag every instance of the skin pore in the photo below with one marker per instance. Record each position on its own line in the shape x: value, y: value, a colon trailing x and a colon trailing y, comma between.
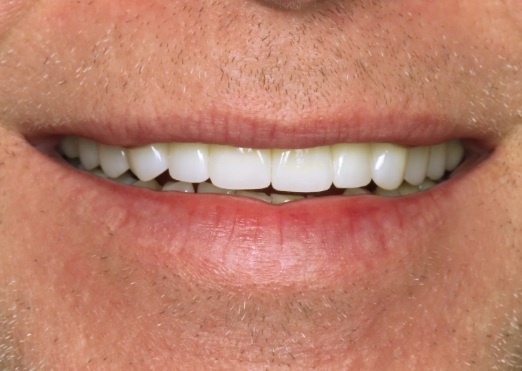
x: 80, y: 282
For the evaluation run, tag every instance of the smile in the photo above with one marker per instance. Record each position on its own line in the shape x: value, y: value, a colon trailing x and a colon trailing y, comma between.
x: 271, y: 175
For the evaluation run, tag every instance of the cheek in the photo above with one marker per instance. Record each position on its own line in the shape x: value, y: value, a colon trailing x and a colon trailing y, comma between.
x: 10, y: 10
x: 514, y: 8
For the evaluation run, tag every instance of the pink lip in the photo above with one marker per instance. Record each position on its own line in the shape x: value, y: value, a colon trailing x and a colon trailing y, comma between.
x: 253, y: 131
x: 235, y: 241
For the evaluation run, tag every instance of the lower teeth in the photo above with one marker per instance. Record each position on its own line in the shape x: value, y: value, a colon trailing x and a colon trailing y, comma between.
x: 266, y: 195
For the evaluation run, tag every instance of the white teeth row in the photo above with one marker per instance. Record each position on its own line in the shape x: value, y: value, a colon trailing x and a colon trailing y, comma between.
x: 350, y: 165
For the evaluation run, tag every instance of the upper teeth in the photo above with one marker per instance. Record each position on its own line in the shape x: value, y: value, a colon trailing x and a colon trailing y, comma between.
x: 348, y: 165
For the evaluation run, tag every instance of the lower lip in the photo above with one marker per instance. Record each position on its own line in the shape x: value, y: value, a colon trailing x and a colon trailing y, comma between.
x: 236, y: 241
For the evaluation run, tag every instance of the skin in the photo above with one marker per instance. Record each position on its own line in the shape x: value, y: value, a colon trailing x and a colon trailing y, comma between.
x: 74, y: 296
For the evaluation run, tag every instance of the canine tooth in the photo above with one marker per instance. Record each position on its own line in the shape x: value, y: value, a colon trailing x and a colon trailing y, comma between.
x: 352, y: 165
x: 211, y: 188
x: 281, y: 199
x: 356, y: 192
x: 257, y: 195
x: 188, y: 162
x: 454, y: 154
x: 437, y: 162
x: 113, y: 160
x: 69, y: 147
x: 302, y: 170
x: 151, y: 184
x: 388, y: 165
x: 149, y: 161
x: 88, y: 152
x: 417, y: 165
x: 239, y: 168
x: 179, y: 186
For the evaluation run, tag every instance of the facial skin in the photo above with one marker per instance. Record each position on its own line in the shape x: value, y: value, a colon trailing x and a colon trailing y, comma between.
x: 101, y: 276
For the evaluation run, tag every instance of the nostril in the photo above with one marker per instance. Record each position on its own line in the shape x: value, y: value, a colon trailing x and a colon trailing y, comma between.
x: 291, y: 4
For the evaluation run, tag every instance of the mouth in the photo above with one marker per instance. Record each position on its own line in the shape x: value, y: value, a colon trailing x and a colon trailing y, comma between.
x: 375, y: 174
x: 211, y: 211
x: 271, y: 175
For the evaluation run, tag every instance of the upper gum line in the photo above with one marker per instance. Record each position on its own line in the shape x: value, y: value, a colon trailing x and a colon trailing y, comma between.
x: 307, y: 170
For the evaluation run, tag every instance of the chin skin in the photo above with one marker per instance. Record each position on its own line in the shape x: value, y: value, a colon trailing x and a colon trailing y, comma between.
x: 78, y: 292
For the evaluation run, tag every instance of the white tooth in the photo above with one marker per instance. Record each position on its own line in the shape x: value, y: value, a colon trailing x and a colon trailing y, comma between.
x: 386, y: 192
x: 388, y: 165
x: 147, y: 162
x: 69, y: 147
x: 257, y: 195
x: 417, y: 165
x: 427, y: 184
x: 239, y: 168
x: 437, y: 162
x: 126, y: 178
x: 88, y: 151
x: 407, y: 189
x: 179, y: 186
x: 302, y: 170
x: 454, y: 154
x: 356, y: 192
x: 281, y: 199
x: 151, y: 184
x: 211, y: 188
x: 188, y: 162
x: 352, y: 165
x: 113, y: 160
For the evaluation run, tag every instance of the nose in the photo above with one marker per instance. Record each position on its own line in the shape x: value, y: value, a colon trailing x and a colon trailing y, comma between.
x: 291, y: 4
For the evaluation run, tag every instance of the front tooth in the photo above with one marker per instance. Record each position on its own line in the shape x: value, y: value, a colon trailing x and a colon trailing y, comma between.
x: 388, y: 165
x: 351, y: 165
x: 417, y: 165
x: 257, y: 195
x: 69, y: 147
x: 302, y: 170
x: 113, y: 160
x: 147, y: 162
x: 437, y: 162
x: 88, y: 151
x: 281, y: 199
x: 239, y: 168
x: 211, y: 188
x: 454, y: 154
x: 179, y: 187
x: 188, y: 162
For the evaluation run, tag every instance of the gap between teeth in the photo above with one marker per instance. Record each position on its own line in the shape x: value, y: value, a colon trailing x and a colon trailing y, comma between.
x: 384, y: 169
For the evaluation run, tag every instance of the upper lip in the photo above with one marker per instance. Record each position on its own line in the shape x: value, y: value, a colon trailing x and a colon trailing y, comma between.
x: 254, y: 131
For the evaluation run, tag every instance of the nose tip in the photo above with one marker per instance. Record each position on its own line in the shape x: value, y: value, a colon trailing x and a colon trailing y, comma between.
x: 290, y: 4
